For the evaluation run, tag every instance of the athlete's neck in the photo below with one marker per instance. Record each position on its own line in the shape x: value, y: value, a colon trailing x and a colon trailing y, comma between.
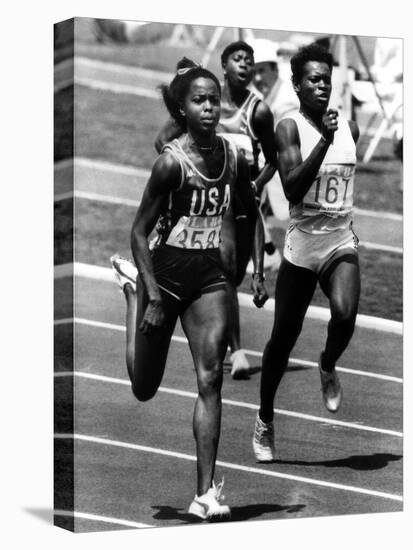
x: 313, y: 116
x: 234, y: 94
x: 208, y: 142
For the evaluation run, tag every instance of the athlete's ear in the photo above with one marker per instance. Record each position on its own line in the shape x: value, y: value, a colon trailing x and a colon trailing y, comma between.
x: 296, y: 87
x: 181, y: 111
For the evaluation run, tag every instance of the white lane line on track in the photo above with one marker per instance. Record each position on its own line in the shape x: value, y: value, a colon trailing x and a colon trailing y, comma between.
x: 96, y: 197
x: 182, y: 339
x: 232, y: 466
x: 241, y: 404
x: 117, y: 88
x: 379, y: 214
x: 93, y: 164
x: 381, y: 247
x: 245, y: 300
x: 123, y: 69
x: 103, y: 519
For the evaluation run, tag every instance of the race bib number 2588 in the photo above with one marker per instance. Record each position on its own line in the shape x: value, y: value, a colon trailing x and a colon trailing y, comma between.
x: 196, y: 232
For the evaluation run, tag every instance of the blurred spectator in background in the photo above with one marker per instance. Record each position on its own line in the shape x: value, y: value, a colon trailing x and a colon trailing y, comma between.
x: 388, y: 71
x: 388, y: 61
x: 277, y: 92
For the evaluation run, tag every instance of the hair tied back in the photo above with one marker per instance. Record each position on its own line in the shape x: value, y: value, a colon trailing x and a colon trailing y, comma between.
x: 184, y: 70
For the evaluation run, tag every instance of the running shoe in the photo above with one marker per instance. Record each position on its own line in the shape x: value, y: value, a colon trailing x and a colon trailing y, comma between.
x: 331, y: 389
x: 207, y: 506
x: 263, y: 441
x: 240, y: 365
x: 124, y: 270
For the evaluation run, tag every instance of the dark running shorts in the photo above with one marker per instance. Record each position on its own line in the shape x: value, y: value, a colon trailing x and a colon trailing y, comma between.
x: 187, y: 274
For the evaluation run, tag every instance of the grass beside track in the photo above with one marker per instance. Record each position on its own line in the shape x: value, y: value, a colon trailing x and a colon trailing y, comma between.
x: 102, y: 229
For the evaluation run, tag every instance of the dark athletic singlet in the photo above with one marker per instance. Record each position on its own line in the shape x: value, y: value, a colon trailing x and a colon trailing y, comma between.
x: 192, y: 218
x: 235, y: 125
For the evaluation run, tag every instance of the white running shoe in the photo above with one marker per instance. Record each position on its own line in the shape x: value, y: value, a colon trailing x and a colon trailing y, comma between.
x: 331, y: 389
x: 240, y: 365
x: 263, y: 441
x: 124, y: 270
x: 207, y: 506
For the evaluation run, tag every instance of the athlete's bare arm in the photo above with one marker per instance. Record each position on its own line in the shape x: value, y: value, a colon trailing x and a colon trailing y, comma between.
x: 164, y: 178
x: 263, y: 126
x: 297, y: 175
x: 247, y: 198
x: 169, y: 131
x: 354, y: 129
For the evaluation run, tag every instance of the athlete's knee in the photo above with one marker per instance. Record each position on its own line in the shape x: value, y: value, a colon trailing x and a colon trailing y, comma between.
x: 281, y: 343
x: 210, y: 378
x: 343, y: 314
x: 143, y: 393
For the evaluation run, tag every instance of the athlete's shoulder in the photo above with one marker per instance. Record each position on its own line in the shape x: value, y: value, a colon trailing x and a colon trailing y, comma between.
x: 167, y: 168
x: 287, y: 125
x: 261, y: 108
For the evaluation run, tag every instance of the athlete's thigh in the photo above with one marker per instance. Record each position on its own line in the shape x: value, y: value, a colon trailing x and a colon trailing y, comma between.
x: 293, y: 292
x: 205, y: 325
x: 151, y: 350
x: 341, y: 283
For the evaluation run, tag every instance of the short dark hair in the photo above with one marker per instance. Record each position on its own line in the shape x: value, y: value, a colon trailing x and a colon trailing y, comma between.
x: 174, y: 94
x: 233, y: 47
x: 312, y: 52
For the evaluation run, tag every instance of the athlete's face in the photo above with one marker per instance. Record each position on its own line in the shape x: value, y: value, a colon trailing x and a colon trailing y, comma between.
x: 314, y: 88
x: 265, y: 76
x: 202, y: 105
x: 239, y: 68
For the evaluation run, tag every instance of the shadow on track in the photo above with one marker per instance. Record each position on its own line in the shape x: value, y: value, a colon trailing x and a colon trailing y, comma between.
x: 238, y: 513
x: 375, y: 461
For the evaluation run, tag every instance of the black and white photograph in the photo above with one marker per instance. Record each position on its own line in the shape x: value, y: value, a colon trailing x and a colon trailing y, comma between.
x: 227, y: 346
x: 237, y: 275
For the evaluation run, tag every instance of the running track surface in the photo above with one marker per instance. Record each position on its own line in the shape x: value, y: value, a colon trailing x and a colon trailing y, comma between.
x: 135, y: 462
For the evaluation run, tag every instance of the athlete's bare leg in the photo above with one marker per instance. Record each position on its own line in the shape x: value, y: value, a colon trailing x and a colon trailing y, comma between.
x: 235, y: 252
x: 146, y: 354
x: 234, y: 330
x: 342, y: 287
x: 205, y: 325
x: 293, y: 292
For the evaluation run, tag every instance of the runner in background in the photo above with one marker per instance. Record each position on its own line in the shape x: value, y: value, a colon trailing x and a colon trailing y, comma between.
x: 279, y: 95
x: 316, y: 159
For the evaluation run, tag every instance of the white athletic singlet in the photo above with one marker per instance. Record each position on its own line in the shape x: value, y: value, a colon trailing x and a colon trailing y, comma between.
x: 192, y: 218
x: 235, y: 125
x: 328, y: 204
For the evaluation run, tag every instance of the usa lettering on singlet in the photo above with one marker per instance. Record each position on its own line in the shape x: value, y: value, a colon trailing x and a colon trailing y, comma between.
x: 192, y: 217
x: 328, y: 204
x: 235, y: 125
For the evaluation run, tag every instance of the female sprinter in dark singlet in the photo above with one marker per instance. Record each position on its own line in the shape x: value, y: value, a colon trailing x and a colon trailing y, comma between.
x: 247, y: 122
x: 190, y: 189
